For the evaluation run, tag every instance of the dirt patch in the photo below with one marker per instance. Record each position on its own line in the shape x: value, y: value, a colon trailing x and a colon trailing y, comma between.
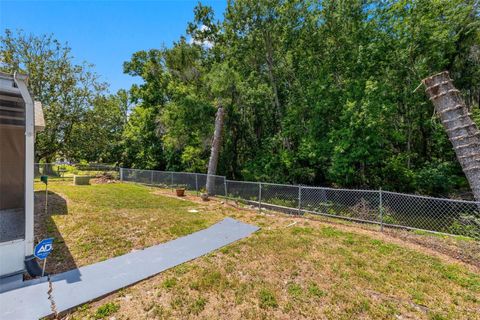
x: 104, y: 178
x: 462, y: 250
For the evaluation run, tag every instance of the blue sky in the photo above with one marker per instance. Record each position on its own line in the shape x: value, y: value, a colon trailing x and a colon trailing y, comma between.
x: 105, y: 33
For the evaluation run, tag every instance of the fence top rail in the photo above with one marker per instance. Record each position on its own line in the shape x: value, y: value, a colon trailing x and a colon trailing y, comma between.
x: 280, y: 184
x: 175, y: 172
x: 340, y: 189
x: 187, y: 173
x: 432, y: 198
x: 302, y: 186
x: 324, y: 188
x: 76, y: 164
x: 211, y: 175
x: 266, y: 183
x: 237, y: 181
x: 159, y: 171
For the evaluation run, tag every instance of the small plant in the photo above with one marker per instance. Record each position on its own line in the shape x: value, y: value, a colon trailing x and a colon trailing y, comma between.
x: 210, y: 280
x: 315, y: 291
x: 281, y: 202
x: 267, y: 299
x: 169, y: 283
x: 178, y: 302
x: 294, y: 290
x: 197, y: 306
x: 106, y: 310
x: 161, y: 312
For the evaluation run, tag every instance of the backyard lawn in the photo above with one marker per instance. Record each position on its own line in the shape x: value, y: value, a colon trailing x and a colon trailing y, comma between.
x: 293, y: 268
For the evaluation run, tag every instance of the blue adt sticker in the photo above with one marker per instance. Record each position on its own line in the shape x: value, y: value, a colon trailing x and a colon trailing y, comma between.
x: 43, y: 248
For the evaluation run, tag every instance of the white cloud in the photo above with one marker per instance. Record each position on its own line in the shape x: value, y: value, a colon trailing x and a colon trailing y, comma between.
x: 205, y: 43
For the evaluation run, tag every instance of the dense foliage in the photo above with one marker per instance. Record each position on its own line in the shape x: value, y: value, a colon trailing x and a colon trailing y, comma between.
x: 82, y: 122
x: 315, y: 92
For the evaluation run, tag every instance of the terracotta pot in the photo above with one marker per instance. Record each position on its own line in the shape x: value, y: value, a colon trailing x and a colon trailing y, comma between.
x: 180, y: 192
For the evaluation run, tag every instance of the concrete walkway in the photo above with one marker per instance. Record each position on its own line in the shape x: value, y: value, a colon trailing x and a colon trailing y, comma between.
x: 78, y: 286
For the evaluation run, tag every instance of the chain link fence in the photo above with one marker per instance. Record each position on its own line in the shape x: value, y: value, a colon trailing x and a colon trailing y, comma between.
x: 168, y: 179
x: 385, y: 208
x: 62, y: 170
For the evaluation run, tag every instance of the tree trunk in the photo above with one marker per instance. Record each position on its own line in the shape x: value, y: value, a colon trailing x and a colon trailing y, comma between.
x: 48, y: 167
x: 217, y: 139
x: 271, y: 76
x: 461, y: 130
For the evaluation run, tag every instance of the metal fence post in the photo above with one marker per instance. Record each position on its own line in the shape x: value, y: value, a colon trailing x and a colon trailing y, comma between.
x: 299, y: 200
x: 260, y: 197
x: 381, y: 209
x: 171, y: 180
x: 151, y: 177
x: 121, y: 174
x: 196, y: 183
x: 225, y: 187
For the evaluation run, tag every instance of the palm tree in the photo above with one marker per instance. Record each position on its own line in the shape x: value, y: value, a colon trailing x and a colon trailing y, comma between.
x: 460, y: 128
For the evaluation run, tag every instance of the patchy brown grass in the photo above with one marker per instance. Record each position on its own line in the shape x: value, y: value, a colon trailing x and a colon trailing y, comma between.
x: 97, y: 222
x: 293, y: 268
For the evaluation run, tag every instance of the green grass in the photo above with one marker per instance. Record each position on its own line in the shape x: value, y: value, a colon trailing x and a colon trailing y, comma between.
x: 106, y: 310
x: 442, y: 236
x: 267, y: 299
x: 310, y: 270
x: 101, y: 221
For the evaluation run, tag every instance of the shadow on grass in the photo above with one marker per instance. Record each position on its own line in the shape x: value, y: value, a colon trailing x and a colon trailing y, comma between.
x: 61, y: 259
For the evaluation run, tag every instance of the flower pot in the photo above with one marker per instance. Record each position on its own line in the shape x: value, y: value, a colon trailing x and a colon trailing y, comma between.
x: 204, y: 196
x: 180, y: 192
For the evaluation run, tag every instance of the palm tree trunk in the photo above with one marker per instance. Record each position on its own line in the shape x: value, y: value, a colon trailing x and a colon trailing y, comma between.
x: 461, y: 130
x: 217, y: 140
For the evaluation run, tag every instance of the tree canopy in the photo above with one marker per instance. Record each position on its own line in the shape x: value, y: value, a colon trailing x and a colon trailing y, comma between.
x: 315, y: 92
x: 82, y: 121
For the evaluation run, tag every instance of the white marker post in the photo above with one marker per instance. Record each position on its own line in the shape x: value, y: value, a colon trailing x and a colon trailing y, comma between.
x: 43, y: 268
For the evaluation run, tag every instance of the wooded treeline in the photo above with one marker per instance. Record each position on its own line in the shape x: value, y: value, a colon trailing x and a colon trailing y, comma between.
x: 315, y: 92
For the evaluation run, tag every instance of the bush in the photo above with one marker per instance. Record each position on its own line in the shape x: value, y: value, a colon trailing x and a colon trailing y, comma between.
x: 435, y: 178
x: 466, y: 225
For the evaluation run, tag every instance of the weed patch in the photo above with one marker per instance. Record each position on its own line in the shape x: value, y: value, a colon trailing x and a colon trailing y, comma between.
x: 267, y: 299
x: 106, y: 310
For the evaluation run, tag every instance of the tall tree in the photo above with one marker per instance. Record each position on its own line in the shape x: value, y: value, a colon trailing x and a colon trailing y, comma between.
x: 142, y: 145
x: 98, y: 137
x: 65, y: 89
x: 461, y: 130
x: 215, y: 151
x: 317, y: 92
